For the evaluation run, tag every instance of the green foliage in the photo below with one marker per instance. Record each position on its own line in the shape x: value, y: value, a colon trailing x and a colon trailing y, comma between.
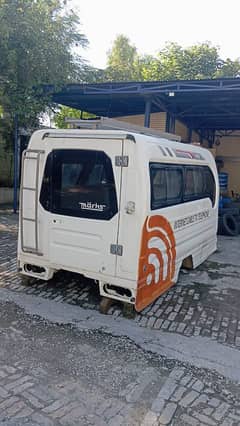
x: 229, y: 68
x: 67, y: 112
x: 173, y: 62
x: 37, y: 38
x: 122, y: 60
x: 195, y: 62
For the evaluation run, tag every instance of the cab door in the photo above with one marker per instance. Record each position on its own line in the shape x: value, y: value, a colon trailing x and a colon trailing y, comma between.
x: 81, y: 196
x: 134, y: 189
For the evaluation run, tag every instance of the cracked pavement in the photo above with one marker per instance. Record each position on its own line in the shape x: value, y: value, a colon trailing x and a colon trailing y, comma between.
x: 63, y: 363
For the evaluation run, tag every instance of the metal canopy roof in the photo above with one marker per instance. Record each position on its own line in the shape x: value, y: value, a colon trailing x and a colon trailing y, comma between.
x: 201, y: 104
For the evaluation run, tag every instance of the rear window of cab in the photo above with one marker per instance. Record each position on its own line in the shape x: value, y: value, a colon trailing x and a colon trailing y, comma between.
x: 79, y: 183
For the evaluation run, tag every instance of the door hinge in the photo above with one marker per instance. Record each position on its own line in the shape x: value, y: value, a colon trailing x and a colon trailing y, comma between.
x: 121, y: 160
x: 116, y: 249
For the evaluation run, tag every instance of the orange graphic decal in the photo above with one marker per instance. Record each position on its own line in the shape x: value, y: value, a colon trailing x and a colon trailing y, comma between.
x: 157, y: 260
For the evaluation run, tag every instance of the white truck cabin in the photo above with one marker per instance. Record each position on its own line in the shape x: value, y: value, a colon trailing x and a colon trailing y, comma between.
x: 122, y: 208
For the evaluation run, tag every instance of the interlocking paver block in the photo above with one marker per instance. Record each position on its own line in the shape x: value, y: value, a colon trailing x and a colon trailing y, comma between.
x: 198, y: 386
x: 55, y: 406
x: 177, y: 373
x: 33, y: 400
x: 186, y: 379
x: 16, y: 383
x: 3, y: 393
x: 214, y: 402
x: 189, y: 420
x: 14, y: 409
x: 64, y: 410
x: 188, y: 398
x: 178, y: 394
x: 202, y: 399
x: 221, y: 411
x: 151, y: 419
x: 7, y: 403
x: 168, y: 413
x: 205, y: 419
x: 164, y: 394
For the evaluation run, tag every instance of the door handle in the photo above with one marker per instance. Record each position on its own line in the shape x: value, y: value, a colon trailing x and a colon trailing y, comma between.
x: 130, y: 207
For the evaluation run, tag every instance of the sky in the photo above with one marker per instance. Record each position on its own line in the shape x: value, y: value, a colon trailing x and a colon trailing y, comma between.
x: 150, y: 23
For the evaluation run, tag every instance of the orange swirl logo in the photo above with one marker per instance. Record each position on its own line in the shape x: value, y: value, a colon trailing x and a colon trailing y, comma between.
x: 157, y: 260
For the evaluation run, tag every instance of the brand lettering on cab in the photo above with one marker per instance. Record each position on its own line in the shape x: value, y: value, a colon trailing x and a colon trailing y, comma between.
x: 92, y: 206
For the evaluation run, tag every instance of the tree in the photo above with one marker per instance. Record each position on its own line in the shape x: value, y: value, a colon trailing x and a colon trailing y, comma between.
x: 37, y: 38
x: 195, y: 62
x: 229, y: 68
x: 122, y: 60
x: 173, y: 62
x: 67, y: 112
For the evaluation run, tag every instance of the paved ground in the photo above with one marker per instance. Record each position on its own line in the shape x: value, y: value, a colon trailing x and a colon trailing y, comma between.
x: 178, y: 362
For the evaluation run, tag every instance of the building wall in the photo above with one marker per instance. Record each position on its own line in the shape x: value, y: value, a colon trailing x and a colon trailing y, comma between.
x: 158, y: 120
x: 229, y: 152
x: 181, y: 130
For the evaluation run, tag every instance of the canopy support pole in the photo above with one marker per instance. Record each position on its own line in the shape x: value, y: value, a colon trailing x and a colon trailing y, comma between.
x: 147, y: 115
x: 16, y: 165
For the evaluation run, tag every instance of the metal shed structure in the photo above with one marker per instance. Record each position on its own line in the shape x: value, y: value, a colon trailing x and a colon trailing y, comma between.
x: 209, y: 110
x: 206, y: 106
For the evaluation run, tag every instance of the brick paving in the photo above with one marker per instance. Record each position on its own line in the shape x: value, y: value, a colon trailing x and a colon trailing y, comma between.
x: 160, y: 394
x: 190, y: 308
x: 29, y: 399
x: 178, y: 399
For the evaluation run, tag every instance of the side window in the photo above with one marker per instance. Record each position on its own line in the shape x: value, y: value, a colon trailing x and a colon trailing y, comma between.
x: 189, y: 183
x: 159, y: 186
x: 209, y: 185
x: 79, y: 183
x: 172, y: 184
x: 199, y: 180
x: 166, y: 185
x: 194, y: 183
x: 199, y: 183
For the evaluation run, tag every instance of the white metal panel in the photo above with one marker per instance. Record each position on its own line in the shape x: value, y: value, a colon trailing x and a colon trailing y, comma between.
x: 81, y: 243
x: 135, y: 188
x: 29, y: 238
